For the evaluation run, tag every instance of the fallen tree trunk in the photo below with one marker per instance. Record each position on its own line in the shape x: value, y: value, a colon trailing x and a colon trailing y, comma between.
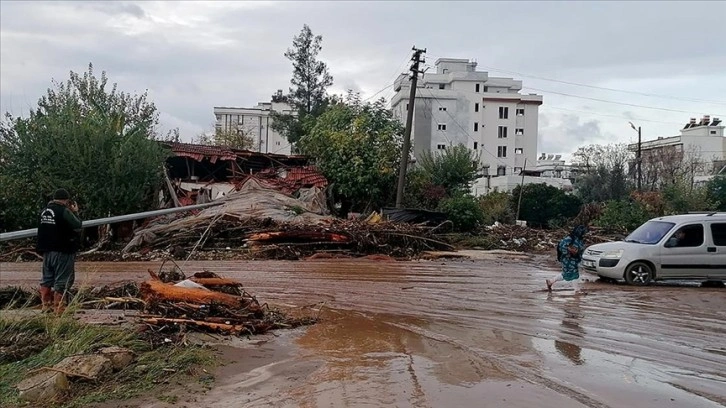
x: 158, y: 291
x: 227, y: 328
x: 298, y: 236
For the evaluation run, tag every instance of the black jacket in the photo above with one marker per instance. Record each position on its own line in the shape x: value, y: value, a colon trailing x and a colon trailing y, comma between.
x: 58, y: 230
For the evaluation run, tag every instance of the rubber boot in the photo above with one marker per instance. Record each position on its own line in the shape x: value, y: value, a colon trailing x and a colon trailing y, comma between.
x: 58, y: 303
x: 46, y: 297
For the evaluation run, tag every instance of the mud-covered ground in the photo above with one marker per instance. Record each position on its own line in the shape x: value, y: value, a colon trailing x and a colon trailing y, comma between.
x: 458, y: 333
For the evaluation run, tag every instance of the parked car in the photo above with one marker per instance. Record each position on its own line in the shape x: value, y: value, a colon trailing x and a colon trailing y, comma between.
x: 687, y: 246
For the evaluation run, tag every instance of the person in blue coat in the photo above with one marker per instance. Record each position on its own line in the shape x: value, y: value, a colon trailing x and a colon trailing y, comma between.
x: 570, y: 251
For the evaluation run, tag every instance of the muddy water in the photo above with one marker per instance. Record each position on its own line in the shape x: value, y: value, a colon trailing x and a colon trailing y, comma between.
x: 462, y: 334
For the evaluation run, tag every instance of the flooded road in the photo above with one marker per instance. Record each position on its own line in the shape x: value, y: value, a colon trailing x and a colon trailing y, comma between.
x: 461, y: 334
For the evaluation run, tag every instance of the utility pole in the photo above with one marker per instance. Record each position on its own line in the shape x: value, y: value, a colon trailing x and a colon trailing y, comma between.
x: 638, y: 157
x: 409, y: 123
x: 521, y: 190
x: 640, y: 161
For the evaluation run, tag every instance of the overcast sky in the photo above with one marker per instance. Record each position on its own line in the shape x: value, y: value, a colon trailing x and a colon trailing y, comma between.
x: 192, y: 56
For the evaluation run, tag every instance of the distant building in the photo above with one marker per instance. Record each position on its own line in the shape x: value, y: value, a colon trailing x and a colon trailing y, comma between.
x: 460, y: 105
x: 549, y: 169
x: 255, y: 123
x: 701, y: 145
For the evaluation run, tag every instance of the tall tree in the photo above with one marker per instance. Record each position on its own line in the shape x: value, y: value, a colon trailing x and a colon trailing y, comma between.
x: 98, y: 143
x: 310, y: 80
x: 358, y: 148
x: 603, y: 172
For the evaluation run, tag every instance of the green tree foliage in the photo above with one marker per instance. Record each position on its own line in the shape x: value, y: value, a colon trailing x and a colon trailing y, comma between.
x: 94, y: 141
x: 440, y: 175
x: 420, y: 191
x: 463, y: 211
x: 545, y: 206
x: 680, y: 198
x: 623, y: 215
x: 716, y: 192
x: 357, y: 147
x: 604, y: 174
x: 497, y: 207
x: 232, y: 138
x: 310, y: 81
x: 454, y: 168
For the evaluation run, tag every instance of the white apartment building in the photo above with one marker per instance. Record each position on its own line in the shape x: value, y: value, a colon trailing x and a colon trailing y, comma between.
x: 702, y: 141
x: 460, y: 105
x: 549, y: 169
x: 256, y: 123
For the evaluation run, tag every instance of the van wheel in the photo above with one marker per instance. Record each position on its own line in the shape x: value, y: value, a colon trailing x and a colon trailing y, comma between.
x: 639, y: 274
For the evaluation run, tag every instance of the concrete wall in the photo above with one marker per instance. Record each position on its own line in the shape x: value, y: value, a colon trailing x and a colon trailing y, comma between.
x: 256, y: 123
x: 476, y: 130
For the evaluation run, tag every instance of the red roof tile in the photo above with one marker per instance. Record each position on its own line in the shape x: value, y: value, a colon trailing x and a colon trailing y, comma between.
x: 199, y: 152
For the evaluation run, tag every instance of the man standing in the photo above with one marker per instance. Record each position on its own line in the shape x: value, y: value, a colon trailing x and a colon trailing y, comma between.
x: 570, y: 251
x: 58, y: 241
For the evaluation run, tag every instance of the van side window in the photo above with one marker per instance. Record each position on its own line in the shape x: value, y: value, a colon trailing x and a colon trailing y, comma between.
x: 686, y: 236
x: 719, y: 234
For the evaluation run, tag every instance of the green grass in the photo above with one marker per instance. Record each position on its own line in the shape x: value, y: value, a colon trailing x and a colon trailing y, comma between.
x: 66, y: 336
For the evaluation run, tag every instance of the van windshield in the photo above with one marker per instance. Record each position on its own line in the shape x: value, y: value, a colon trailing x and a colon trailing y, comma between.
x: 650, y: 233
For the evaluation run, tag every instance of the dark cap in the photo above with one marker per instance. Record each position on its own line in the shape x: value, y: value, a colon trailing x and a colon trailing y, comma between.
x: 61, y: 194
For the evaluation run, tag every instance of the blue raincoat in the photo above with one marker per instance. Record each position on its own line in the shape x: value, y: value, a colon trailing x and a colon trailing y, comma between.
x: 570, y: 262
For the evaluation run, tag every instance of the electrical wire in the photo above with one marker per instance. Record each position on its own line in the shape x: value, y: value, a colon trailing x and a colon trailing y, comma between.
x: 602, y: 88
x: 613, y: 102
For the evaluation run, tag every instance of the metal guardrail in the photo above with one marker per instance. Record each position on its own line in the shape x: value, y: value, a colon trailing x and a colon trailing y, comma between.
x: 28, y: 233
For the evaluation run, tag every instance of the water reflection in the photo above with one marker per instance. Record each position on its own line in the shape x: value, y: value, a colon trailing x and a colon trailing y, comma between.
x: 570, y: 326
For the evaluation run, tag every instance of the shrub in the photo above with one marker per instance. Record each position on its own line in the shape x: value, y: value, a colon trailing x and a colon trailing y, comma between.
x: 543, y: 205
x: 463, y: 210
x: 497, y: 207
x: 623, y: 215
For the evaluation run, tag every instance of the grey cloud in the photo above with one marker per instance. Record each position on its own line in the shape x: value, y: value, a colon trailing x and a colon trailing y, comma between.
x: 115, y: 8
x: 568, y: 132
x: 232, y: 53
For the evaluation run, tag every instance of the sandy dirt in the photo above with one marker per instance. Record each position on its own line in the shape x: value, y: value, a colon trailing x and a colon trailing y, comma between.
x: 458, y: 333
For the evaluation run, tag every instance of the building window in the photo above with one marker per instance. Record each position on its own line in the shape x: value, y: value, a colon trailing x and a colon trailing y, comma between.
x: 503, y: 112
x: 502, y: 151
x: 406, y: 106
x: 476, y: 126
x: 518, y: 132
x: 442, y: 86
x: 476, y: 145
x: 501, y: 171
x: 517, y: 170
x: 502, y: 132
x: 476, y: 107
x: 520, y: 112
x: 518, y: 150
x: 477, y: 86
x: 486, y: 89
x: 278, y: 143
x: 713, y: 132
x: 442, y: 108
x: 442, y: 126
x: 441, y: 147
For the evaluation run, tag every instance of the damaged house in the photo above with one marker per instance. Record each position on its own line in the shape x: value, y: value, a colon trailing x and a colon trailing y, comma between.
x: 197, y: 174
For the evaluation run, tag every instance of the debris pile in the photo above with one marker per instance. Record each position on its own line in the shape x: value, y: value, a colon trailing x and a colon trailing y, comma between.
x: 525, y: 239
x: 170, y: 301
x: 267, y: 223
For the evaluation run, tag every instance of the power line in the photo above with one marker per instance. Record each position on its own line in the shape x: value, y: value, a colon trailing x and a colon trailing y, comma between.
x: 395, y: 75
x: 610, y: 116
x: 613, y: 102
x: 680, y: 98
x: 607, y: 89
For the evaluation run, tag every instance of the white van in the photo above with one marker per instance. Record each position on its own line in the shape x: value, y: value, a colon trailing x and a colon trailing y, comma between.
x: 688, y: 246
